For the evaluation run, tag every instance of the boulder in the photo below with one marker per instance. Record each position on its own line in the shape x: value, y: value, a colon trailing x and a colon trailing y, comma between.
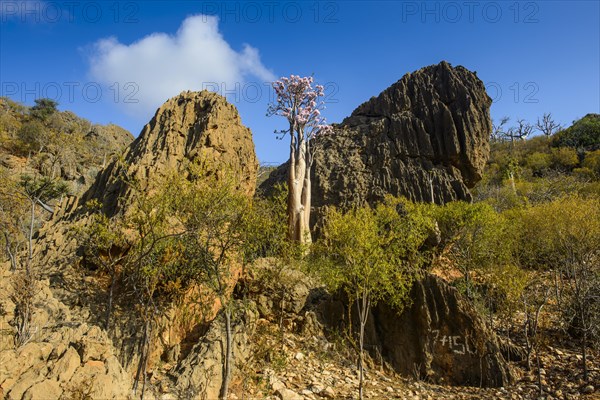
x: 48, y: 389
x: 426, y: 137
x: 439, y: 337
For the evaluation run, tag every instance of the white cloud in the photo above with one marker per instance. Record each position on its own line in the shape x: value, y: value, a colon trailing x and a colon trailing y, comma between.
x: 163, y: 65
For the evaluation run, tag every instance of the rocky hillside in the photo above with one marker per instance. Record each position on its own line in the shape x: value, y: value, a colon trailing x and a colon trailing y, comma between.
x: 426, y: 137
x: 45, y: 141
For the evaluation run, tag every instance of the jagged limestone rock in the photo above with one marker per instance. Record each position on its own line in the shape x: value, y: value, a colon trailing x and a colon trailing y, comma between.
x: 65, y: 358
x: 193, y: 125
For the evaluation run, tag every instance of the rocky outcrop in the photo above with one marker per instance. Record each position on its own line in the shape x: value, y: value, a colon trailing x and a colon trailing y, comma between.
x: 191, y: 126
x: 426, y: 133
x: 440, y: 337
x: 61, y: 145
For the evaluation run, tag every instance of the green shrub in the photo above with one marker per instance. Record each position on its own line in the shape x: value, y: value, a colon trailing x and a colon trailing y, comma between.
x: 539, y: 163
x: 564, y: 158
x: 592, y: 162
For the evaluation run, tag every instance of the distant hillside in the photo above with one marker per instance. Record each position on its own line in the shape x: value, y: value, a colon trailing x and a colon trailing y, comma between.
x: 542, y: 168
x: 41, y: 140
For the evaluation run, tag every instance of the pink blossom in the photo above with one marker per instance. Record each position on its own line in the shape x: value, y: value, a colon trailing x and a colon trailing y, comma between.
x: 297, y: 101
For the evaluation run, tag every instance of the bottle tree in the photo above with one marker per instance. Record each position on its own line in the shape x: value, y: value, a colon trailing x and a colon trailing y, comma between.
x: 299, y: 102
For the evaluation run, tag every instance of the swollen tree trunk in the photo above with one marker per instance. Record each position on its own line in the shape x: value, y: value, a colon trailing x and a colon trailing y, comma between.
x: 227, y: 358
x: 306, y: 199
x: 298, y: 197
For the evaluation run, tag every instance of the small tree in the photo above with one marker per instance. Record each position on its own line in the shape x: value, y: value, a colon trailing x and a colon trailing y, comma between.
x: 213, y: 222
x: 521, y: 131
x: 473, y: 239
x: 18, y: 203
x: 44, y: 108
x: 564, y: 237
x: 372, y: 254
x: 577, y: 240
x: 32, y: 137
x: 298, y: 102
x: 498, y: 130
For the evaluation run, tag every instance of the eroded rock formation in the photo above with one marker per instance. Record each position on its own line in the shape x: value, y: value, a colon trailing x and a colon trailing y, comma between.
x: 191, y: 126
x: 66, y: 357
x: 426, y: 134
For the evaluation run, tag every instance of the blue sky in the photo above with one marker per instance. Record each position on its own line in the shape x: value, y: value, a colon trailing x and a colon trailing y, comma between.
x: 117, y: 61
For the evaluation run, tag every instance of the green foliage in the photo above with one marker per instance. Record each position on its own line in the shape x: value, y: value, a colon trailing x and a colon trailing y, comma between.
x: 539, y: 163
x: 43, y: 188
x: 213, y: 218
x: 568, y: 243
x: 32, y: 136
x: 592, y: 163
x: 266, y: 227
x: 372, y: 251
x: 102, y: 238
x: 584, y: 133
x: 13, y: 208
x: 372, y: 255
x: 475, y: 238
x: 562, y: 159
x: 547, y: 230
x: 533, y: 171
